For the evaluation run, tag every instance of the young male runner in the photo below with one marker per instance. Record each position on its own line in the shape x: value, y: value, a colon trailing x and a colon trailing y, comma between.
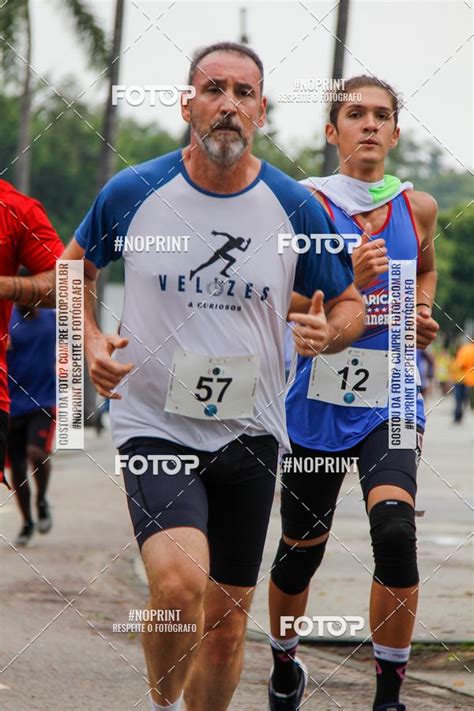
x: 200, y: 364
x: 330, y: 422
x: 31, y: 359
x: 26, y: 237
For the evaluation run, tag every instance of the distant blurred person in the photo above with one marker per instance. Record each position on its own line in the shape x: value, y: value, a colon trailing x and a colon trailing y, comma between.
x: 443, y: 365
x: 32, y: 386
x: 463, y: 388
x: 426, y: 367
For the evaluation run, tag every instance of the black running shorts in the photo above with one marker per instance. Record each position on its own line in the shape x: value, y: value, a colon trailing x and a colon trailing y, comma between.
x: 228, y: 497
x: 308, y: 498
x: 35, y: 428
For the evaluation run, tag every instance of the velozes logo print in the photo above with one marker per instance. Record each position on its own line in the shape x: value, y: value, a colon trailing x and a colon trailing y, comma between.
x: 223, y: 253
x: 221, y: 283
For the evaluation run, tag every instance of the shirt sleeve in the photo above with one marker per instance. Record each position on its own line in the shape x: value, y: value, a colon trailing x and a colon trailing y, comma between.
x: 39, y: 245
x: 326, y: 265
x: 97, y: 234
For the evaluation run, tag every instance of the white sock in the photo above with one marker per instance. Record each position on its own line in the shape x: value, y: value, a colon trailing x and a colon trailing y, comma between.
x: 391, y: 654
x: 176, y: 706
x: 284, y: 644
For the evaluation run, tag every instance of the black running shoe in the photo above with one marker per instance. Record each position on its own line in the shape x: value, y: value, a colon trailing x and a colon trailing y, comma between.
x: 288, y: 702
x: 45, y: 521
x: 393, y: 706
x: 25, y: 534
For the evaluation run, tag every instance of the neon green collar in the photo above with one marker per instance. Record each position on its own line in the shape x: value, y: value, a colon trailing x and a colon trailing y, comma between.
x: 356, y: 196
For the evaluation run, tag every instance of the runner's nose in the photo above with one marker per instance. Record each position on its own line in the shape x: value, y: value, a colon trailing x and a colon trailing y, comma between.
x: 371, y: 124
x: 228, y: 105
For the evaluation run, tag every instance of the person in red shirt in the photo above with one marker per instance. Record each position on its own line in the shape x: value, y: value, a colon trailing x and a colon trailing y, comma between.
x: 26, y: 238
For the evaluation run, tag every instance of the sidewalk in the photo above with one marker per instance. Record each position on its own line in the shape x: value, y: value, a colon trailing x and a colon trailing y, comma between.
x: 61, y: 595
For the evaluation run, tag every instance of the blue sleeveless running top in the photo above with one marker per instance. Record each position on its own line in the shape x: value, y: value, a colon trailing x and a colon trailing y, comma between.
x: 326, y: 426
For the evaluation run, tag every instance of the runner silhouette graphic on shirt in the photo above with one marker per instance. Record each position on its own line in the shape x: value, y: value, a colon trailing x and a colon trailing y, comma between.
x: 223, y: 252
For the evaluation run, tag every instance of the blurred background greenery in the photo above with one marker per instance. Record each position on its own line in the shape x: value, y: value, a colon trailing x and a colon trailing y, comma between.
x: 66, y: 168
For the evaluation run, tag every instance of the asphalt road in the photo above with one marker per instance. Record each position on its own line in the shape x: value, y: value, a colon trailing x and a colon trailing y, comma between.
x: 62, y: 595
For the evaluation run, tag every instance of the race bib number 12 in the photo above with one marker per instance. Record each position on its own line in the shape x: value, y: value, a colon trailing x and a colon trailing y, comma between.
x: 205, y: 387
x: 355, y: 377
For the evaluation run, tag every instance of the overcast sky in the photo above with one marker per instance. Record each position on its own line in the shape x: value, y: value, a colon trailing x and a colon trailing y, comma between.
x: 423, y: 48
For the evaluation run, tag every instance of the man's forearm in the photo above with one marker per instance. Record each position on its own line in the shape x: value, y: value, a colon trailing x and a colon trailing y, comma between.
x: 346, y: 322
x: 299, y: 304
x: 426, y: 287
x: 37, y: 290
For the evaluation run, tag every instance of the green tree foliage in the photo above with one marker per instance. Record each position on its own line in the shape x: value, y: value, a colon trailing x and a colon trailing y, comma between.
x: 425, y: 166
x: 89, y: 33
x: 16, y: 46
x: 455, y: 261
x: 65, y: 152
x: 137, y: 144
x: 13, y: 16
x: 12, y: 44
x: 299, y: 163
x: 10, y: 113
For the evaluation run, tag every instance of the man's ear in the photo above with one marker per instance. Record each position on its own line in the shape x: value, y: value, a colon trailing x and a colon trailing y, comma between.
x: 395, y: 138
x: 263, y: 112
x: 185, y: 103
x: 331, y: 134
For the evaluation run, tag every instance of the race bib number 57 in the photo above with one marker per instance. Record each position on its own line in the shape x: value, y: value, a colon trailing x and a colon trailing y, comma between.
x: 205, y: 387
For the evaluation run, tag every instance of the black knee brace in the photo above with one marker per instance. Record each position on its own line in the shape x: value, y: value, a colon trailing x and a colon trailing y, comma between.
x: 294, y: 567
x: 393, y: 533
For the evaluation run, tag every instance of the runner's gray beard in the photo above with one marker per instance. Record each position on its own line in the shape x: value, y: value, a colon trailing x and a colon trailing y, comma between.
x: 225, y: 153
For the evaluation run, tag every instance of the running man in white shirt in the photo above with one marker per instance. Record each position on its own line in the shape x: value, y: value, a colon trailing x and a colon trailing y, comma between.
x: 199, y: 363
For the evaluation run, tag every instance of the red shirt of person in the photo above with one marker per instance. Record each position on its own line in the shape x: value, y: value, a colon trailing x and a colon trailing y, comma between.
x: 26, y: 238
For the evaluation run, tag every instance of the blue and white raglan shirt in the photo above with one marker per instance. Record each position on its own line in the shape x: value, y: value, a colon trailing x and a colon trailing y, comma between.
x: 182, y: 299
